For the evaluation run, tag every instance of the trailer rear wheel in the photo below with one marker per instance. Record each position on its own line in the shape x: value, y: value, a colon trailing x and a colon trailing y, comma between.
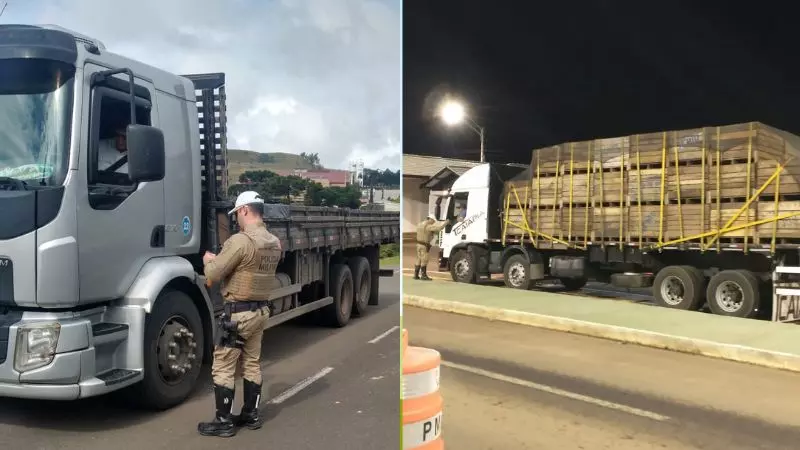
x: 678, y: 287
x: 516, y: 272
x: 734, y: 293
x: 173, y: 352
x: 337, y: 314
x: 462, y: 267
x: 702, y: 284
x: 362, y: 281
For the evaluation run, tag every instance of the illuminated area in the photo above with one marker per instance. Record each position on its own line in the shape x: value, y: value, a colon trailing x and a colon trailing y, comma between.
x: 452, y: 112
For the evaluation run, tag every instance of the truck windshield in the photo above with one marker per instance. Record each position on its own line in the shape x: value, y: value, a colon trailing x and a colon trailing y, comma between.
x: 35, y: 117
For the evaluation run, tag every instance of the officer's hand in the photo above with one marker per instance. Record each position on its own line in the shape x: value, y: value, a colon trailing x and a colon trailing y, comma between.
x: 208, y: 257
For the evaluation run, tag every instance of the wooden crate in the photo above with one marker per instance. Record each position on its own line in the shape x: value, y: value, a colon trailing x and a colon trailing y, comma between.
x: 616, y: 184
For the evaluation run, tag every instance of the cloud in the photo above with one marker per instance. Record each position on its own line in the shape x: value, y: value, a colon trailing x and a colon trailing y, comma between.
x: 317, y: 76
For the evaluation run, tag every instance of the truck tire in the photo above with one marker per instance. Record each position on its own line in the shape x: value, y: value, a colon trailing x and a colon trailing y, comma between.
x: 338, y: 313
x: 678, y: 287
x: 362, y: 283
x: 373, y: 256
x: 516, y: 272
x: 734, y: 293
x: 462, y: 267
x: 702, y: 284
x: 174, y: 320
x: 573, y: 284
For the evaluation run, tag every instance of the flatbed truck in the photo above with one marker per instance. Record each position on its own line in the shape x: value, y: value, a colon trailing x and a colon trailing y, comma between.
x: 101, y: 274
x: 761, y: 280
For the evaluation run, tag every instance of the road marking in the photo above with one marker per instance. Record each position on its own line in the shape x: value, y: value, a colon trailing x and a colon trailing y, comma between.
x: 292, y: 391
x: 556, y: 391
x: 384, y: 334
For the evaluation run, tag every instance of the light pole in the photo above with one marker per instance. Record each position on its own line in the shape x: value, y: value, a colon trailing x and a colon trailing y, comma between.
x: 452, y: 113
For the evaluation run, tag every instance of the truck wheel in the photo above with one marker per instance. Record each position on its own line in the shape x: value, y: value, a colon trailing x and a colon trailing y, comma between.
x: 734, y: 293
x: 337, y: 314
x: 373, y: 256
x: 573, y: 284
x: 462, y: 268
x: 702, y: 284
x: 362, y: 281
x: 516, y: 272
x: 173, y: 352
x: 678, y: 287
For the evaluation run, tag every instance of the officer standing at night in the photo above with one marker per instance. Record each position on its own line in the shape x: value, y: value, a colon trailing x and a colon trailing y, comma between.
x: 425, y: 231
x: 246, y: 268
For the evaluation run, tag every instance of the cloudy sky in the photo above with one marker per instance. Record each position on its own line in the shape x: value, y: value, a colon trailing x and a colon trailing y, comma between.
x: 319, y: 76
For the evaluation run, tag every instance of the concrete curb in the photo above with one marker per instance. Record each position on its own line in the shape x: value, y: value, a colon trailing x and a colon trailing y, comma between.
x: 731, y: 352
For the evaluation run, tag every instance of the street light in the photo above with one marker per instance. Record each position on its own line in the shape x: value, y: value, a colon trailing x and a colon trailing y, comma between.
x: 453, y: 113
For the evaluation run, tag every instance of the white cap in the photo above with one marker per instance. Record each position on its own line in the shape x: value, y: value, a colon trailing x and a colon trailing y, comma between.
x: 431, y: 216
x: 246, y: 198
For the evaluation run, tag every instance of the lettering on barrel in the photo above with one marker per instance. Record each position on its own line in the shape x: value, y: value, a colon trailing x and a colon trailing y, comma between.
x: 431, y: 428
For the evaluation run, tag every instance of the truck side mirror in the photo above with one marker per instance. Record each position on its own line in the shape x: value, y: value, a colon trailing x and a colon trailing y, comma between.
x: 146, y: 153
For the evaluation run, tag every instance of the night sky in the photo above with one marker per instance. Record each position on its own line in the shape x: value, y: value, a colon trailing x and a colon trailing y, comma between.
x: 545, y: 74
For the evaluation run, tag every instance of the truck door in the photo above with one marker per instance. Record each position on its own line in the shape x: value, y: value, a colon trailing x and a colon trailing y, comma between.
x: 456, y: 211
x: 120, y: 223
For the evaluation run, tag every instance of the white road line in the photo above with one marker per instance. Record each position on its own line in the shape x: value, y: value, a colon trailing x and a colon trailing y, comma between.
x: 383, y: 335
x: 556, y: 391
x: 292, y: 391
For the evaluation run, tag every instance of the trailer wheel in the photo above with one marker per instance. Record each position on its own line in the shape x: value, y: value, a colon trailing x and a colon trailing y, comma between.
x: 462, y: 267
x: 678, y: 287
x: 362, y: 281
x: 573, y: 284
x: 516, y: 272
x: 734, y: 293
x: 337, y: 314
x: 702, y: 284
x: 373, y: 256
x: 173, y: 352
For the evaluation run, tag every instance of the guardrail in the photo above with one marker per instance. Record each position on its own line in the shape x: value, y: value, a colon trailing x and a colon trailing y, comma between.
x: 422, y: 403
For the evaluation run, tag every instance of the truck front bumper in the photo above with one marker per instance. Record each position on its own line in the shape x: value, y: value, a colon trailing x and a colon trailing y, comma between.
x: 70, y: 375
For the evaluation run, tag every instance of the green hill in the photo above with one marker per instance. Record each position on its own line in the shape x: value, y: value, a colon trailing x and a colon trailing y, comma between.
x: 240, y: 161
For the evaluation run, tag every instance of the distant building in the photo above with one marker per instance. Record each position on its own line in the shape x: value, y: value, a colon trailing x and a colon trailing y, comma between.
x: 325, y: 177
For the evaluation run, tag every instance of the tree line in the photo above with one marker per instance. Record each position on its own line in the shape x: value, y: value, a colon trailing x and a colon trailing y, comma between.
x: 381, y: 178
x: 275, y: 188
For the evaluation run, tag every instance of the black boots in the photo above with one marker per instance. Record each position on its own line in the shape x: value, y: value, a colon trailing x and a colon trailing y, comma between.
x: 249, y: 417
x: 222, y: 425
x: 425, y: 274
x: 416, y: 272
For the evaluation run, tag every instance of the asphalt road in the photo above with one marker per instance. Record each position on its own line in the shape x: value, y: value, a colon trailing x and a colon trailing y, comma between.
x: 508, y: 386
x: 351, y: 403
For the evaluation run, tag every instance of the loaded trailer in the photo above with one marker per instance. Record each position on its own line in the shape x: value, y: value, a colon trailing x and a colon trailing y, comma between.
x: 101, y: 281
x: 703, y: 216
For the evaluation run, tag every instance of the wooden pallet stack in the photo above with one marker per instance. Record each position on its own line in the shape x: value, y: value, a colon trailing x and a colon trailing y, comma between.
x: 657, y: 188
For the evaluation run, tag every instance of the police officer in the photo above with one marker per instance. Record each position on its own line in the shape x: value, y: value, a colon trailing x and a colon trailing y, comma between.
x: 425, y: 231
x: 246, y: 267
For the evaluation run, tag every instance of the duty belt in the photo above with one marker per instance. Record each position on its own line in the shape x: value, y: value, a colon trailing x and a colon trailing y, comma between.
x: 237, y: 307
x: 426, y: 244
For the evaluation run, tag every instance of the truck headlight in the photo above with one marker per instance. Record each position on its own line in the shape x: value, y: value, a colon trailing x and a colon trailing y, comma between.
x: 36, y: 345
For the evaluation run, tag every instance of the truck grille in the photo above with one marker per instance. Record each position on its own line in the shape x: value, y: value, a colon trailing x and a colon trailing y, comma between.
x: 7, y: 318
x: 6, y: 282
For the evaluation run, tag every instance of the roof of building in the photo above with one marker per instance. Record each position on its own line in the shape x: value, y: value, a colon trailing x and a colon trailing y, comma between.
x: 427, y: 166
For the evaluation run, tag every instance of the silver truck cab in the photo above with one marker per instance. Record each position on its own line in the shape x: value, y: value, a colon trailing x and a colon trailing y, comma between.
x: 92, y: 229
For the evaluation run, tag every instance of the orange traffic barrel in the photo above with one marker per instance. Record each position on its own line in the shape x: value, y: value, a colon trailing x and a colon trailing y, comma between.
x: 422, y: 403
